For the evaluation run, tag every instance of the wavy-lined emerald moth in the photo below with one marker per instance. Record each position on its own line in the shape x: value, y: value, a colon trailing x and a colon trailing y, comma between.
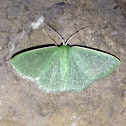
x: 64, y: 67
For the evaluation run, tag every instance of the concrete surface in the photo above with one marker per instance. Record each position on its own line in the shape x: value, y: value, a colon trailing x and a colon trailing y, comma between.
x: 22, y: 103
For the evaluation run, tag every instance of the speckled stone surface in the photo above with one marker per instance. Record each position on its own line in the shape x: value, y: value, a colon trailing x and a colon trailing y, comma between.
x: 22, y: 103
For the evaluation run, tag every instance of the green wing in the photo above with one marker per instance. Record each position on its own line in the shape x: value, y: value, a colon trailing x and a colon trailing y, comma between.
x: 89, y: 65
x: 64, y: 68
x: 32, y: 63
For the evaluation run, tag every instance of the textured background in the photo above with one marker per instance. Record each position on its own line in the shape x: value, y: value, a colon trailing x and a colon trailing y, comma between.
x: 22, y: 103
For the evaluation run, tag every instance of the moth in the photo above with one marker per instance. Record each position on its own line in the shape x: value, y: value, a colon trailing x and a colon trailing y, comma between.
x: 64, y: 67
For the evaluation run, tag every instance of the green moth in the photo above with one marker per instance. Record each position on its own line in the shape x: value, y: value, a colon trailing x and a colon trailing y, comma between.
x: 64, y: 67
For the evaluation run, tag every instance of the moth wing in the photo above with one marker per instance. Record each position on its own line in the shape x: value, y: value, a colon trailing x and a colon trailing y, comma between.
x: 31, y: 64
x: 87, y: 65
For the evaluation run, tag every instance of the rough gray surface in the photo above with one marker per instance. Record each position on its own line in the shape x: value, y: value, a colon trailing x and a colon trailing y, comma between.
x: 22, y: 103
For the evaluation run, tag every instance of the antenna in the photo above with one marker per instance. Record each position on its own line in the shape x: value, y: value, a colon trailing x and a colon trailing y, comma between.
x: 61, y: 37
x: 50, y: 37
x: 70, y: 37
x: 66, y: 42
